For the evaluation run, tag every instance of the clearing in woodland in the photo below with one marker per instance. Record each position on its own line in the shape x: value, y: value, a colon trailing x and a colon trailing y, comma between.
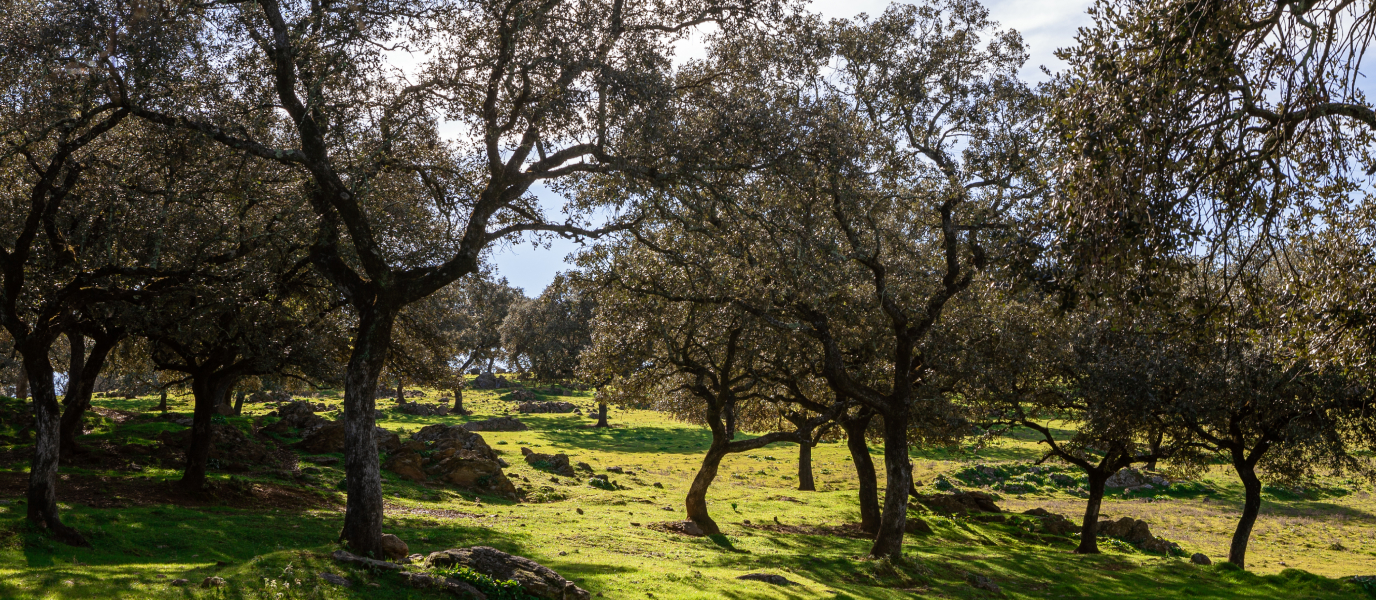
x: 270, y: 523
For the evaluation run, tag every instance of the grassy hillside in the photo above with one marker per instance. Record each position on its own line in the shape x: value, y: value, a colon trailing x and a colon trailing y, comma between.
x: 268, y: 532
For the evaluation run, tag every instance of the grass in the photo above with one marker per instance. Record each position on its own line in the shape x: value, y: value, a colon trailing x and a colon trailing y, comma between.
x: 602, y: 539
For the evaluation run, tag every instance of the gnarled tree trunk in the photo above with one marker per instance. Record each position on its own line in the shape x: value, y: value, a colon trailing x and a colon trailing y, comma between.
x: 42, y: 493
x: 864, y: 471
x: 1089, y: 540
x: 601, y: 415
x: 888, y: 542
x: 805, y: 481
x: 162, y: 400
x: 1251, y: 507
x: 210, y: 390
x: 696, y: 502
x: 362, y: 529
x: 21, y: 387
x: 239, y: 402
x: 458, y: 401
x: 81, y: 383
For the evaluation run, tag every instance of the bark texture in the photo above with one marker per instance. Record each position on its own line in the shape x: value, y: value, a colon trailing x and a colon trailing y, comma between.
x: 805, y: 481
x: 1251, y: 507
x: 888, y: 542
x: 1089, y: 535
x: 42, y: 493
x: 362, y: 529
x: 855, y: 428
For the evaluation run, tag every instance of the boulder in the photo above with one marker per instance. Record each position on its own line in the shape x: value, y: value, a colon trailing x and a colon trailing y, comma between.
x: 453, y: 585
x: 1160, y: 546
x: 1126, y: 478
x: 407, y: 464
x: 960, y: 502
x: 1200, y: 558
x: 229, y: 445
x: 488, y: 381
x: 455, y: 456
x: 1127, y: 529
x: 767, y: 578
x: 1062, y: 480
x: 546, y: 407
x: 916, y: 525
x: 1051, y: 522
x: 212, y: 581
x: 523, y: 396
x: 554, y: 463
x: 333, y: 579
x: 423, y: 410
x: 496, y: 424
x: 536, y: 579
x: 329, y: 437
x: 393, y: 548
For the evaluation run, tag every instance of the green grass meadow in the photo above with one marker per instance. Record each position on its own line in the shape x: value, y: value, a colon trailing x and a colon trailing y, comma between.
x: 269, y: 533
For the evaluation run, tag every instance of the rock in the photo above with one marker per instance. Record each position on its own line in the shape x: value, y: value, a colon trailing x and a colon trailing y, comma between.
x: 983, y: 583
x: 536, y: 579
x: 335, y: 579
x: 210, y: 582
x: 408, y: 465
x: 545, y: 407
x: 916, y: 525
x: 1062, y: 480
x: 1051, y: 522
x: 178, y: 582
x: 960, y: 502
x: 1161, y: 546
x: 1127, y: 529
x: 1146, y: 487
x: 615, y: 470
x: 523, y: 396
x: 496, y: 424
x: 1126, y: 478
x: 554, y: 463
x: 229, y: 445
x: 767, y: 578
x: 345, y: 557
x: 329, y: 438
x: 393, y: 548
x: 488, y: 381
x: 1199, y: 558
x: 1337, y: 547
x: 582, y: 466
x: 452, y: 585
x: 423, y: 410
x: 455, y: 456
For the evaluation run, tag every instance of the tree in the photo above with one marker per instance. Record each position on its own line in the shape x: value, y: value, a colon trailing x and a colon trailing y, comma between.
x: 545, y: 91
x: 886, y: 167
x: 544, y: 336
x: 702, y: 362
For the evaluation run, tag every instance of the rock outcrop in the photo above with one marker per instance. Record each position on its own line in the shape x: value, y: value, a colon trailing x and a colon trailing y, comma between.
x: 546, y: 407
x: 554, y: 463
x: 960, y: 503
x: 453, y: 455
x: 329, y: 437
x: 1051, y: 522
x: 536, y: 579
x: 496, y: 424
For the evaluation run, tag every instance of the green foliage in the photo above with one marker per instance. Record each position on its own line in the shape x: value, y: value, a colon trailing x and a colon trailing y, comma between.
x: 495, y: 589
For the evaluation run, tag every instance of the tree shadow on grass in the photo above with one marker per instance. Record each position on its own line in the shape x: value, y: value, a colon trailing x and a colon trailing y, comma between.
x: 631, y: 440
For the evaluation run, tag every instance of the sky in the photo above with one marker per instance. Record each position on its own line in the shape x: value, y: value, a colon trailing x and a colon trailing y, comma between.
x: 1045, y: 26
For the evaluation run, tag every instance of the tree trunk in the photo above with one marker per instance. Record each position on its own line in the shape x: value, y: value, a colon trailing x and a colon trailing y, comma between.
x: 1251, y: 506
x: 805, y: 481
x: 898, y: 471
x: 81, y: 383
x: 162, y: 400
x: 864, y: 471
x: 1089, y: 536
x: 696, y: 502
x: 458, y: 401
x: 730, y: 414
x: 601, y: 415
x: 1154, y: 448
x: 401, y: 393
x: 239, y: 403
x: 73, y: 403
x: 21, y: 387
x: 362, y: 530
x: 209, y: 392
x: 42, y: 493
